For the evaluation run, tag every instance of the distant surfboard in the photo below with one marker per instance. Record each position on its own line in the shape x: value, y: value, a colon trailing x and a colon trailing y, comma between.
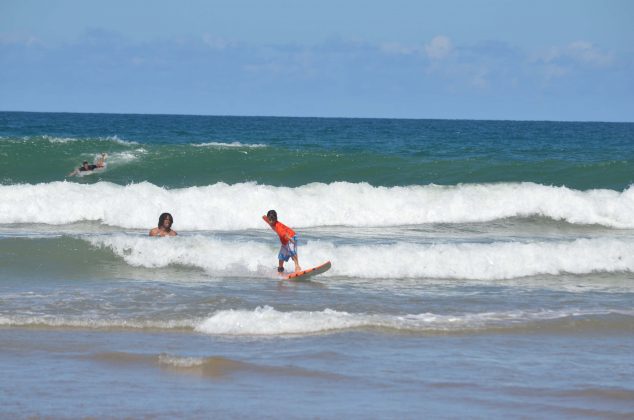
x: 304, y: 275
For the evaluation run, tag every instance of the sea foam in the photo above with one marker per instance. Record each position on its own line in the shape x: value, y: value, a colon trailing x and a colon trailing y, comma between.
x: 232, y: 145
x: 239, y: 206
x: 268, y: 321
x: 55, y: 139
x: 212, y: 255
x: 95, y: 322
x: 478, y: 261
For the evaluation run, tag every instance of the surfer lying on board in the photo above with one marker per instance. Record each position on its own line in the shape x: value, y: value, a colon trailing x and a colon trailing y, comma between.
x: 287, y: 238
x: 164, y: 226
x: 85, y: 167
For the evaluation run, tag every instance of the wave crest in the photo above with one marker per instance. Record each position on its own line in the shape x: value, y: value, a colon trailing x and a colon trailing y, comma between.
x: 238, y: 206
x: 477, y: 261
x: 268, y: 321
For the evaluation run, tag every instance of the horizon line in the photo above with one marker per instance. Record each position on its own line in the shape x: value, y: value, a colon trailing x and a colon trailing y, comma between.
x: 314, y: 116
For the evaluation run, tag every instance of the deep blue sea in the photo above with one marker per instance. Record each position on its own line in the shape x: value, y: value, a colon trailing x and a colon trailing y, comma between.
x: 479, y: 268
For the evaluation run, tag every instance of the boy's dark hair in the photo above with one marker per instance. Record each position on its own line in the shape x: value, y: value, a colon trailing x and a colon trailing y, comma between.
x: 272, y: 214
x: 164, y: 216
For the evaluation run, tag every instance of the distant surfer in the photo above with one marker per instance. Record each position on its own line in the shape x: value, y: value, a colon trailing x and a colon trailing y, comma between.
x: 85, y: 167
x: 100, y: 163
x: 164, y: 226
x: 287, y: 238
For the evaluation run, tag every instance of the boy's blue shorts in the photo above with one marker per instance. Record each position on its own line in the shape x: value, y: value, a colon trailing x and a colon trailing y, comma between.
x: 288, y: 251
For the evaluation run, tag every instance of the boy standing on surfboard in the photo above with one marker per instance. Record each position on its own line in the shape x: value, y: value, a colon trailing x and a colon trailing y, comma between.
x: 287, y: 238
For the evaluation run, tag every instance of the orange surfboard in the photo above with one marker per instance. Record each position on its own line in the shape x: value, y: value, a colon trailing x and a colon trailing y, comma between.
x: 306, y: 274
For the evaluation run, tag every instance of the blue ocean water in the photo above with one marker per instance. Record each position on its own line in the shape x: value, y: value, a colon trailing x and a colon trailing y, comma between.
x: 479, y: 268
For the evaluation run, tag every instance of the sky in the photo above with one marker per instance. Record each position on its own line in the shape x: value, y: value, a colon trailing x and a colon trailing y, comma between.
x: 454, y: 59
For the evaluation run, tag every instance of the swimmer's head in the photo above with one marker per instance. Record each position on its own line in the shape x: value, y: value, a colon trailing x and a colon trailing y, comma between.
x: 272, y: 216
x: 163, y: 217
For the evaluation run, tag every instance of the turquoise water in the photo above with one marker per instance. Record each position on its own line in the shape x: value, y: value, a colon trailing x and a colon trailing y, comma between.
x: 479, y: 268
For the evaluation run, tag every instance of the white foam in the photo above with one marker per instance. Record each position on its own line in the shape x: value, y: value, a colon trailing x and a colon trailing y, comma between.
x: 212, y: 255
x: 235, y: 144
x: 53, y: 139
x: 117, y: 139
x: 480, y: 261
x: 181, y: 362
x: 489, y: 261
x: 93, y: 322
x: 125, y: 157
x: 114, y: 139
x: 239, y: 206
x: 268, y: 321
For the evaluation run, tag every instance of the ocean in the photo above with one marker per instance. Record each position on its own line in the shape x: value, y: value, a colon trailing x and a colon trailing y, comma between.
x: 479, y: 268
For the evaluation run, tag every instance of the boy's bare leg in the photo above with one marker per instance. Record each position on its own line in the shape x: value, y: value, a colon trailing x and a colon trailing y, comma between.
x: 296, y: 261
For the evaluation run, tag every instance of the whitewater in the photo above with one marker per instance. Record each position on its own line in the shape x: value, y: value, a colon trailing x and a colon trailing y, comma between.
x: 238, y: 206
x: 494, y: 260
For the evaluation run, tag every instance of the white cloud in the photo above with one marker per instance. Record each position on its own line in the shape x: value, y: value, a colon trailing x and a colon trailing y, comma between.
x: 439, y: 48
x: 20, y: 39
x: 296, y: 63
x: 479, y: 78
x: 216, y: 43
x: 397, y: 48
x: 578, y: 51
x: 545, y: 56
x: 553, y: 71
x: 588, y: 53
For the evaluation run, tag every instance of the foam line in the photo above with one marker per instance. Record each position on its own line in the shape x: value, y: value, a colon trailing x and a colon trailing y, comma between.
x: 486, y: 261
x: 267, y: 321
x: 239, y: 206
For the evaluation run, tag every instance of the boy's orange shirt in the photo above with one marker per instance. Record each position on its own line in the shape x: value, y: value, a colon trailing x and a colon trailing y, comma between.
x: 282, y: 230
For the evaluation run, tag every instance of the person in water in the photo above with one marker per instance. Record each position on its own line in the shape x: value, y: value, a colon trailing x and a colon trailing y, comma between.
x: 288, y: 238
x: 164, y: 227
x: 85, y: 167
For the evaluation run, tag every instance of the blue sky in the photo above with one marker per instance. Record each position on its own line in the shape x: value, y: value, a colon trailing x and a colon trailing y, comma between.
x: 488, y: 59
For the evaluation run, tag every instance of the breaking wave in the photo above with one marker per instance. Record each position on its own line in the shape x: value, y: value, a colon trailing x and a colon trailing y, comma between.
x: 238, y: 206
